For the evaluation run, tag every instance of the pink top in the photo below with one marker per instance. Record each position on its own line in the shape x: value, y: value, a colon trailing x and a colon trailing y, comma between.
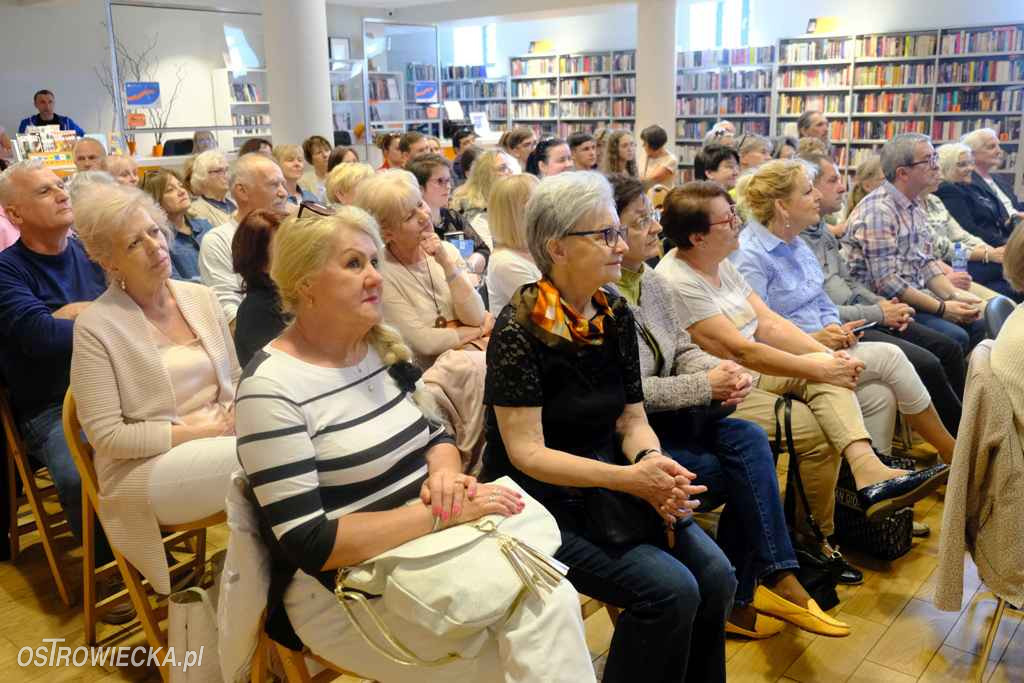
x: 193, y: 378
x: 9, y: 234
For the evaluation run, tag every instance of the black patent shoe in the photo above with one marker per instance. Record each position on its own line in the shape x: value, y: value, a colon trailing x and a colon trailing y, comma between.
x: 885, y: 497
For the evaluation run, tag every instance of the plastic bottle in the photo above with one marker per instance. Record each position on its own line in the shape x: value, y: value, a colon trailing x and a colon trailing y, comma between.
x: 959, y: 257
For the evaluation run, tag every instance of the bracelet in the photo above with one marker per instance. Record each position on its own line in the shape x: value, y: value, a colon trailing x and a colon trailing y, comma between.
x: 942, y: 309
x: 455, y: 273
x: 644, y: 453
x: 986, y: 254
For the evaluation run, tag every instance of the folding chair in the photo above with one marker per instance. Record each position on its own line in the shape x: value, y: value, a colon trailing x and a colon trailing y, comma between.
x: 50, y: 525
x: 149, y: 615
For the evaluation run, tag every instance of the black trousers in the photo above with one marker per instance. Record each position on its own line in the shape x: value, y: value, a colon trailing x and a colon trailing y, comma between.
x: 939, y: 362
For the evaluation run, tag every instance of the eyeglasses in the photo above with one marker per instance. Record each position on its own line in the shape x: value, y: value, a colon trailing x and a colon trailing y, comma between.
x: 732, y: 219
x: 442, y: 182
x: 932, y: 161
x: 217, y: 171
x: 645, y: 218
x: 315, y: 208
x: 612, y: 234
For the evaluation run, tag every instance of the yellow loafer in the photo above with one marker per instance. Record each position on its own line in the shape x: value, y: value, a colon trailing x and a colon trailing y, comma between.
x: 811, y: 618
x: 764, y: 627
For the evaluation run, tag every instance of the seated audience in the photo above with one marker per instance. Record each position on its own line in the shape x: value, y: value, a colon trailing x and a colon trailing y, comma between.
x: 83, y: 179
x: 867, y: 179
x: 889, y: 249
x: 660, y: 166
x: 753, y: 150
x: 260, y: 318
x: 256, y: 183
x: 731, y: 457
x: 813, y: 124
x: 467, y: 158
x: 342, y: 182
x: 90, y: 155
x: 470, y: 198
x: 675, y: 596
x: 293, y: 165
x: 428, y: 295
x: 511, y: 266
x: 167, y: 190
x: 619, y: 153
x: 123, y: 169
x: 810, y: 145
x: 1006, y: 365
x: 46, y: 282
x: 433, y: 173
x: 784, y: 147
x: 210, y: 187
x: 939, y: 361
x: 388, y: 143
x: 984, y: 261
x: 412, y: 144
x: 341, y: 155
x: 550, y: 156
x: 727, y: 319
x: 988, y: 161
x: 517, y: 143
x: 583, y: 147
x: 462, y: 139
x: 782, y: 270
x: 433, y: 144
x: 722, y: 133
x: 257, y: 145
x: 203, y: 141
x: 164, y: 440
x: 404, y: 479
x: 718, y: 163
x: 316, y: 150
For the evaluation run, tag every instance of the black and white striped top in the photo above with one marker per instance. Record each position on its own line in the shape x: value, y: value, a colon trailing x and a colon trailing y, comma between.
x: 318, y: 443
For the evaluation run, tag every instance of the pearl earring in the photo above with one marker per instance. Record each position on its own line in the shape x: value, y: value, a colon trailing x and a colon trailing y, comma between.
x: 123, y: 287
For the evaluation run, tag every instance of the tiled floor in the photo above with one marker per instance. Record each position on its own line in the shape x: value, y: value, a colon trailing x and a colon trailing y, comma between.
x: 898, y: 636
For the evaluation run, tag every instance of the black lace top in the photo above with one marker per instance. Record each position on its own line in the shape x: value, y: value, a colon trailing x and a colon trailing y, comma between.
x: 582, y: 392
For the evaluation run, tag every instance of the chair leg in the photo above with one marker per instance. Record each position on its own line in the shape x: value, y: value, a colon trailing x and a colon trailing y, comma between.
x: 990, y: 638
x: 294, y: 665
x: 147, y: 616
x: 89, y: 570
x: 43, y: 525
x: 12, y: 506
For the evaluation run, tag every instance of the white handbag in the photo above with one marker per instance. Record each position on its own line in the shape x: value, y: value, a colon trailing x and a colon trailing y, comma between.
x: 456, y: 582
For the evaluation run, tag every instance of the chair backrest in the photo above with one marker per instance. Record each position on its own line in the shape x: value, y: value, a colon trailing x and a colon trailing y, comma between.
x: 11, y: 431
x: 81, y: 452
x: 997, y: 310
x: 178, y: 147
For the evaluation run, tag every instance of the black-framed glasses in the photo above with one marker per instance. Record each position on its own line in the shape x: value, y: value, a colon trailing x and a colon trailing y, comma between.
x: 315, y: 208
x: 932, y: 161
x: 611, y: 235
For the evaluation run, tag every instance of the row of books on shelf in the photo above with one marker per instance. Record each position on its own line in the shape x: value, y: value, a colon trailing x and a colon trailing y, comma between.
x: 624, y: 85
x: 814, y: 50
x: 815, y: 78
x: 470, y: 89
x: 534, y: 89
x: 913, y: 45
x: 727, y: 79
x: 798, y: 104
x: 1002, y: 39
x: 893, y: 102
x: 250, y: 120
x: 592, y: 85
x: 731, y: 57
x: 453, y: 72
x: 245, y: 92
x: 622, y: 108
x: 494, y: 110
x: 687, y: 153
x: 534, y: 66
x: 341, y: 91
x: 1007, y: 100
x: 697, y: 106
x: 585, y: 109
x: 894, y: 74
x: 383, y: 88
x: 531, y: 110
x: 567, y: 128
x: 420, y: 72
x: 624, y: 61
x: 982, y: 70
x: 882, y: 129
x: 702, y: 80
x: 745, y: 104
x: 344, y: 120
x: 951, y: 129
x: 585, y: 64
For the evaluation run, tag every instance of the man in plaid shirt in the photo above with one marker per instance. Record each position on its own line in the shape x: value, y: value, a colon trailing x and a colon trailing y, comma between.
x: 888, y: 245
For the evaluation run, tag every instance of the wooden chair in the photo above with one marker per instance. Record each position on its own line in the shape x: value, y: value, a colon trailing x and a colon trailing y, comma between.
x: 50, y: 525
x: 990, y: 637
x: 293, y: 663
x: 590, y: 606
x: 149, y: 615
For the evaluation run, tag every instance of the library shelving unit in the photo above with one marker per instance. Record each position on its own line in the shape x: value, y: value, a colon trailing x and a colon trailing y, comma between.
x: 404, y: 100
x: 734, y: 84
x: 563, y: 93
x: 942, y: 82
x: 470, y: 86
x: 347, y: 94
x: 240, y: 101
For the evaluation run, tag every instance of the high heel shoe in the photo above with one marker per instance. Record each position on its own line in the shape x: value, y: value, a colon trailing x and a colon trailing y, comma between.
x: 811, y: 618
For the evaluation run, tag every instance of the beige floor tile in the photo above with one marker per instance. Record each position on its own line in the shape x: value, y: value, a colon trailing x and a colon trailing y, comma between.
x: 909, y: 644
x: 835, y: 659
x: 768, y: 660
x: 884, y: 595
x: 951, y: 664
x: 1011, y: 666
x: 869, y: 672
x: 971, y: 628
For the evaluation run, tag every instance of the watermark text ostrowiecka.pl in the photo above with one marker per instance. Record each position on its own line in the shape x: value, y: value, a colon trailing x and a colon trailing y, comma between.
x: 52, y: 654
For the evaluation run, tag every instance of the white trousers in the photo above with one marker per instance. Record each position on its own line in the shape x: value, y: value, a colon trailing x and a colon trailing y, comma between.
x: 190, y: 481
x: 540, y: 641
x: 888, y: 382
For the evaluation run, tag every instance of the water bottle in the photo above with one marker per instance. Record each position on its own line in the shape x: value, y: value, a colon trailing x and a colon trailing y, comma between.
x: 959, y: 258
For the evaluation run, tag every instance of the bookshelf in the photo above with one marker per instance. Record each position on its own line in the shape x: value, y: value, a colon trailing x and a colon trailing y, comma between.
x: 404, y: 100
x: 563, y: 93
x: 734, y: 84
x: 347, y: 95
x: 942, y: 82
x: 470, y: 86
x: 240, y: 101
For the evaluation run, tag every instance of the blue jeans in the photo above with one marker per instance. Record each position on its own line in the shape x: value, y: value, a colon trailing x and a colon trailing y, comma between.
x: 967, y: 336
x: 674, y: 601
x: 735, y: 462
x: 44, y: 441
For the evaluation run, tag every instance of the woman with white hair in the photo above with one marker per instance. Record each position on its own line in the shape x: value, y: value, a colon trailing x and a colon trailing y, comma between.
x: 153, y: 374
x: 429, y: 296
x: 347, y: 460
x: 209, y: 186
x: 566, y: 421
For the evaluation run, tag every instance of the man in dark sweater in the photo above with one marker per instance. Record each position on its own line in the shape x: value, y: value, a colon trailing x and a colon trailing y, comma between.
x: 46, y: 280
x: 47, y: 117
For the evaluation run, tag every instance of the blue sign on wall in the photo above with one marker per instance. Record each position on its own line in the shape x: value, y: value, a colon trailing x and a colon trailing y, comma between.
x: 142, y: 93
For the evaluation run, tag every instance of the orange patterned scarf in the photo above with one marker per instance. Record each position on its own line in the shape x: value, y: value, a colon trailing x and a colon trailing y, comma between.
x: 543, y: 306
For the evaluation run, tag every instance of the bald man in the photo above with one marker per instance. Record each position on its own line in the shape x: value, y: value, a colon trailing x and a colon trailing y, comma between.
x: 90, y: 155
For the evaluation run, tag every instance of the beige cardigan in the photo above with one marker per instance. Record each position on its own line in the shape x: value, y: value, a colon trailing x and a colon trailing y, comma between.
x: 126, y: 405
x: 983, y: 514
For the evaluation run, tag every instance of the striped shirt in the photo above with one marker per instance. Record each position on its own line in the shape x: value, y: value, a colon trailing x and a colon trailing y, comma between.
x: 318, y: 443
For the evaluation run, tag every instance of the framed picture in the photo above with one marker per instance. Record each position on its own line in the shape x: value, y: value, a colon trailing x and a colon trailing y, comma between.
x: 338, y: 48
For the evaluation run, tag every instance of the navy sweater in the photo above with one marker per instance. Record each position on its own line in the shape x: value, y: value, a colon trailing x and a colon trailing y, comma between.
x: 35, y: 347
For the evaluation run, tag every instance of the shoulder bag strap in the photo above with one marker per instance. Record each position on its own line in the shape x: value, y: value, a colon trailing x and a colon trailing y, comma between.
x: 794, y: 468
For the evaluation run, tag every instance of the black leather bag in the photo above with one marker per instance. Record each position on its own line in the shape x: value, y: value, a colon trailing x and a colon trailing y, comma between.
x: 616, y: 518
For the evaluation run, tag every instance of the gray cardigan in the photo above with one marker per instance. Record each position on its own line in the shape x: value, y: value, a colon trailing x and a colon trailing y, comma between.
x: 855, y: 301
x: 683, y: 380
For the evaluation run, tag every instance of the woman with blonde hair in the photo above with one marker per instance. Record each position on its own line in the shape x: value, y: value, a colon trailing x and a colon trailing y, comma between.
x: 868, y: 178
x: 293, y: 165
x: 619, y: 153
x: 511, y: 265
x: 429, y: 297
x: 343, y: 180
x: 347, y: 460
x: 209, y: 186
x: 153, y: 374
x: 167, y: 189
x: 470, y: 198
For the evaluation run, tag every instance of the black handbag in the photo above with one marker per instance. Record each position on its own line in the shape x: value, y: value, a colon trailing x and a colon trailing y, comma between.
x: 885, y: 539
x: 616, y: 518
x: 818, y: 573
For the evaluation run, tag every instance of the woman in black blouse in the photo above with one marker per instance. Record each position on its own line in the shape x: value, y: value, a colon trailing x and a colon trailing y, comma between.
x: 259, y: 318
x: 565, y: 419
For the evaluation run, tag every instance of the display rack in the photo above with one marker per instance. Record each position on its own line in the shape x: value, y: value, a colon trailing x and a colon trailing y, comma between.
x: 240, y: 102
x: 347, y: 96
x: 404, y: 100
x: 477, y: 92
x: 734, y: 84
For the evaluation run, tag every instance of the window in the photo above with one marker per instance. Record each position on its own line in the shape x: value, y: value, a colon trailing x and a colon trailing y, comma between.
x: 475, y: 45
x: 718, y: 23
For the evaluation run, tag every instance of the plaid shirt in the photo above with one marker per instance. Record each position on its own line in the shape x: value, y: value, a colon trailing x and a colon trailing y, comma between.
x: 888, y: 245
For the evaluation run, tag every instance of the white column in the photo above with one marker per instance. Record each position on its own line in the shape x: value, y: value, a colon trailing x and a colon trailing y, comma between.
x: 656, y: 69
x: 295, y: 34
